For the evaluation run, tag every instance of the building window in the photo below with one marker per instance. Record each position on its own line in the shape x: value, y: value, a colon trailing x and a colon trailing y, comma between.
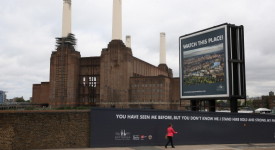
x: 92, y: 81
x: 83, y: 81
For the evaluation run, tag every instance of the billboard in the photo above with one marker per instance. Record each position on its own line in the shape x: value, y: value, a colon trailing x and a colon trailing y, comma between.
x: 205, y: 63
x: 132, y: 127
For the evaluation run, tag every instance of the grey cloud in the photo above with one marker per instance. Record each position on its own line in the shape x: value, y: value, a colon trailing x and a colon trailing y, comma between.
x: 28, y: 31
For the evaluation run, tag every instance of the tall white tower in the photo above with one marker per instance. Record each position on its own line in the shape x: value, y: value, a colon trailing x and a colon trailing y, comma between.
x: 117, y: 20
x: 162, y: 58
x: 66, y: 18
x: 128, y: 41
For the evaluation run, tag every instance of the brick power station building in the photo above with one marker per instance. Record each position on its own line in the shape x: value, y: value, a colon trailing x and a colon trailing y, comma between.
x: 114, y: 79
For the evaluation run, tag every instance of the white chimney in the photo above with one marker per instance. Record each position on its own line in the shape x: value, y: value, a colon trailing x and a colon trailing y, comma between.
x: 66, y: 22
x: 162, y: 58
x: 128, y: 41
x: 117, y: 20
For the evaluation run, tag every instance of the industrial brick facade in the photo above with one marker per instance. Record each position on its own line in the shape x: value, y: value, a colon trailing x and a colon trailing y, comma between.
x: 41, y: 92
x: 89, y: 83
x: 108, y: 80
x: 64, y: 75
x: 114, y: 79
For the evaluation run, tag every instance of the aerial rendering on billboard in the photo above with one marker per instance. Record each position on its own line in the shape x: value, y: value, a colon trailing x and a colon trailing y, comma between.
x: 204, y: 63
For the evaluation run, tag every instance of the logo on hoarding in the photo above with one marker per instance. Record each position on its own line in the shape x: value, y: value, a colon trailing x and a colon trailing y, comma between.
x: 122, y: 135
x: 135, y: 137
x: 142, y: 137
x: 150, y: 137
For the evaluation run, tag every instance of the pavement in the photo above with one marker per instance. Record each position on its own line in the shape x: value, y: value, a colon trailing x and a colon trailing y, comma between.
x: 264, y: 146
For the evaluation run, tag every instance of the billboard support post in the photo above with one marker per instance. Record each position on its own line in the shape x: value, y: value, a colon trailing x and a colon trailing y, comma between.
x: 194, y: 105
x: 234, y: 105
x: 212, y: 105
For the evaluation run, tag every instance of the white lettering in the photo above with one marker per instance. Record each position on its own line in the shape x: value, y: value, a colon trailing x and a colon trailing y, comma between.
x: 202, y: 42
x: 154, y: 117
x: 176, y: 117
x: 132, y: 116
x: 215, y: 39
x: 190, y: 45
x: 165, y: 117
x: 195, y: 118
x: 226, y: 119
x: 144, y: 117
x: 243, y: 119
x: 208, y: 118
x: 119, y: 116
x: 185, y: 117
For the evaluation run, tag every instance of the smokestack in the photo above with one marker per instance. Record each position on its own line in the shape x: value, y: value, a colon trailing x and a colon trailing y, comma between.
x: 128, y: 41
x: 66, y: 18
x: 117, y: 20
x: 162, y: 59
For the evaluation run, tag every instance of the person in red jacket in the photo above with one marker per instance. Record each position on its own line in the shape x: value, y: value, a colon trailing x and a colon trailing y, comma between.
x: 169, y: 135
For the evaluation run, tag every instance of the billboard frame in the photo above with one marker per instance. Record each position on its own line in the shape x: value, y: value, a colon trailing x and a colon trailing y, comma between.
x: 234, y: 63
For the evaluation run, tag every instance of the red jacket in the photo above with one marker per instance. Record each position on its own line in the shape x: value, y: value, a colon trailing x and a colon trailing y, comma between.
x: 170, y: 131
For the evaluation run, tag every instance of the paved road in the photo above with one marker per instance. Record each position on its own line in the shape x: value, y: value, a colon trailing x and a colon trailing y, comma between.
x: 265, y: 146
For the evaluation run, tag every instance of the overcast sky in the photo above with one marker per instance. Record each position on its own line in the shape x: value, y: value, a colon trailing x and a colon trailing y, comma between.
x: 28, y: 29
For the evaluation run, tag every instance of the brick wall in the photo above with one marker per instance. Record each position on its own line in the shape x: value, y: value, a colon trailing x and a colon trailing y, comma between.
x: 40, y: 93
x: 23, y: 130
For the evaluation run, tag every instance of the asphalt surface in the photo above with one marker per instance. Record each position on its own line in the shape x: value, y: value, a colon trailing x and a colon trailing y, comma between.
x: 264, y: 146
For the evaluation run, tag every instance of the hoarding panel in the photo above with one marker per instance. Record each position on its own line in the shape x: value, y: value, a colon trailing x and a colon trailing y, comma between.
x: 204, y: 64
x: 133, y: 127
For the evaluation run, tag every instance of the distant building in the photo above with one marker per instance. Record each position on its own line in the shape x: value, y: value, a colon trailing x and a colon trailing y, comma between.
x: 271, y: 93
x: 269, y: 101
x: 256, y: 102
x: 2, y: 96
x: 266, y: 101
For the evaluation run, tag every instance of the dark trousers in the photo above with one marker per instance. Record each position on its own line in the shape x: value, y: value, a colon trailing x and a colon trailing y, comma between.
x: 170, y: 140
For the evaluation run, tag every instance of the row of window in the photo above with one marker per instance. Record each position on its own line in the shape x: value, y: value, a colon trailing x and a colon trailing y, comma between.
x: 146, y: 85
x: 90, y: 81
x: 147, y: 100
x: 146, y: 96
x: 147, y: 91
